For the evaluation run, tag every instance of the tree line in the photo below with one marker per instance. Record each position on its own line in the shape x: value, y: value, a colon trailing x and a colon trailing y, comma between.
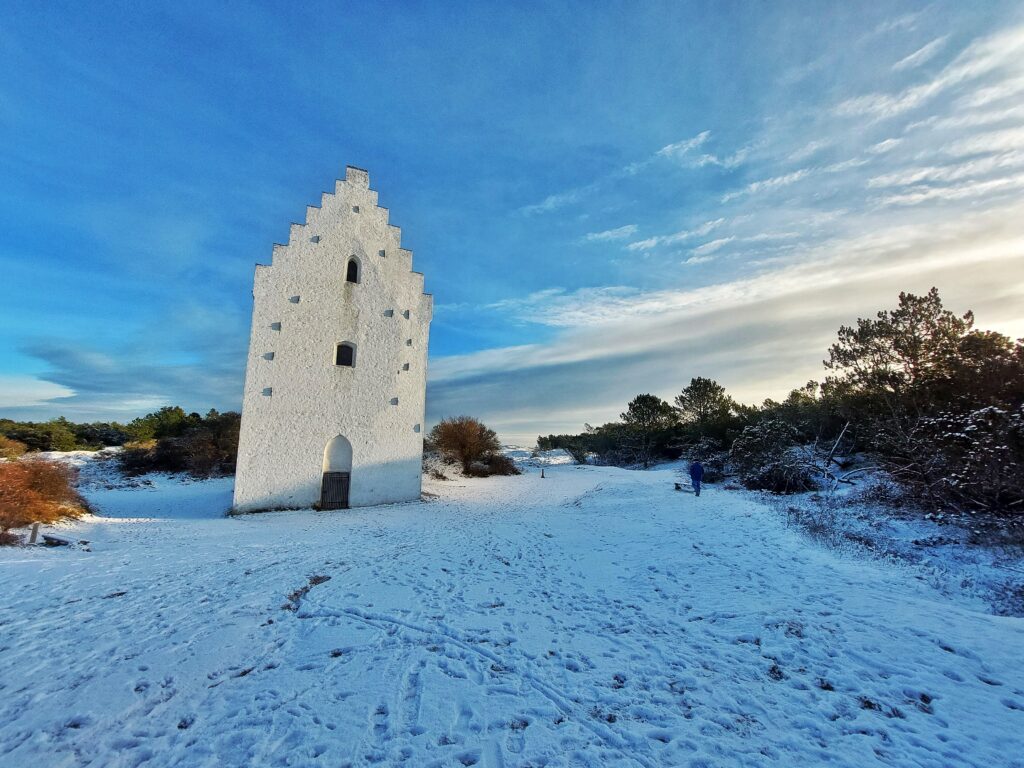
x: 167, y: 440
x: 917, y: 390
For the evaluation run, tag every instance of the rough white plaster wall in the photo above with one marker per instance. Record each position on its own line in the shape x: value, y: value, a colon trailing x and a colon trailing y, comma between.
x: 284, y: 434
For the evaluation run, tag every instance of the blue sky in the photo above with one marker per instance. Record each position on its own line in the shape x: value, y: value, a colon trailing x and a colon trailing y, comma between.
x: 606, y: 198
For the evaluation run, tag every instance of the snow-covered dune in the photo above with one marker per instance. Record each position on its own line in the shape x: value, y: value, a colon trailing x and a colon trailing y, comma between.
x: 595, y: 617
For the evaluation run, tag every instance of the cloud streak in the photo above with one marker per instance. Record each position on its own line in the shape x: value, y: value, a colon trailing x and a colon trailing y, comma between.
x: 1004, y: 50
x: 922, y: 55
x: 619, y: 233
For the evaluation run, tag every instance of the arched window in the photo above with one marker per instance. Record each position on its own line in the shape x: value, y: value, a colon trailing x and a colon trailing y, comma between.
x: 345, y: 354
x: 352, y: 272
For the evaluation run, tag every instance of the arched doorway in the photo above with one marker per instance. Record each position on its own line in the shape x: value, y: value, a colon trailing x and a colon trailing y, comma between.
x: 337, y: 474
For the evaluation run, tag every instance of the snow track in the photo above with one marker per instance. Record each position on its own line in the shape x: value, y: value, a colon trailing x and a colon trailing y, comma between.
x: 592, y: 618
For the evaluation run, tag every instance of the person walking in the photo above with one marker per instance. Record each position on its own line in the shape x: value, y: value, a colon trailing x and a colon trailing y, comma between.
x: 696, y: 475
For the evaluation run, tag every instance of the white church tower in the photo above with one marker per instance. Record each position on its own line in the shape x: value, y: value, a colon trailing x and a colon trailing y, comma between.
x: 335, y: 383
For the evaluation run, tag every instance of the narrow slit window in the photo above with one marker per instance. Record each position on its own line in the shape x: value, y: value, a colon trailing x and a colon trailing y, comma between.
x: 345, y: 355
x: 383, y: 253
x: 352, y: 271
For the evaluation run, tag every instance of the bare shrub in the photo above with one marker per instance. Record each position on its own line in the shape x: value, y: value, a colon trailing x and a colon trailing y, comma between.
x: 36, y: 491
x: 819, y: 521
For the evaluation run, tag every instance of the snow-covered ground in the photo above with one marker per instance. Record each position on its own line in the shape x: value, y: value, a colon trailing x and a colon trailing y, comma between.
x: 592, y: 618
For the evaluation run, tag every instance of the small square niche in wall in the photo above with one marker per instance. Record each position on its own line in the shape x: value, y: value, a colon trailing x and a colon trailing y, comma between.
x: 394, y: 401
x: 405, y: 366
x: 275, y: 326
x: 355, y: 209
x: 389, y: 313
x: 268, y: 356
x: 295, y: 299
x: 382, y: 253
x: 268, y: 391
x: 405, y: 314
x: 408, y: 342
x: 416, y: 428
x: 315, y: 239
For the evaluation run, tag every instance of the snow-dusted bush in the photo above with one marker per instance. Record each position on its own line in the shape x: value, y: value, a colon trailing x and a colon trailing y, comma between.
x: 712, y: 456
x: 974, y: 460
x: 764, y: 457
x: 36, y: 491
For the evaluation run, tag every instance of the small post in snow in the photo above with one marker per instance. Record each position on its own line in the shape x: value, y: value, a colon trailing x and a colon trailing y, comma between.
x: 542, y: 473
x: 35, y: 533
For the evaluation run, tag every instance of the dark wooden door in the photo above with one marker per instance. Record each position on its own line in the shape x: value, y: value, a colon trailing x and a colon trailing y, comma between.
x: 334, y: 491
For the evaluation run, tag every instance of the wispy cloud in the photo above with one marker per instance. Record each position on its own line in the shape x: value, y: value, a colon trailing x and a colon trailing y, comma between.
x: 768, y: 184
x: 947, y: 173
x: 694, y: 260
x: 991, y: 141
x: 922, y: 55
x: 808, y: 149
x: 553, y: 202
x: 1010, y: 88
x: 999, y: 51
x: 619, y: 233
x: 965, y: 190
x: 907, y: 21
x: 681, y: 148
x: 677, y: 237
x: 712, y: 246
x: 884, y: 146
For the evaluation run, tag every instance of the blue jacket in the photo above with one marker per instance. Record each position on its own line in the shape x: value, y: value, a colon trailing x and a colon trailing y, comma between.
x: 696, y: 471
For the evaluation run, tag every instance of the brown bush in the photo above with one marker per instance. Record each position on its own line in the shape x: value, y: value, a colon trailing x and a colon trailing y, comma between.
x: 11, y: 449
x: 36, y: 491
x: 465, y: 440
x: 500, y: 464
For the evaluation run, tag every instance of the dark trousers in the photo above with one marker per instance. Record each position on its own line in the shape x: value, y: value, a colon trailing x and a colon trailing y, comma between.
x: 696, y: 485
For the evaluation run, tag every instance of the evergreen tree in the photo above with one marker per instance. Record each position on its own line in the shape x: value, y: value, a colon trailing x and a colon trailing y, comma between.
x: 647, y: 420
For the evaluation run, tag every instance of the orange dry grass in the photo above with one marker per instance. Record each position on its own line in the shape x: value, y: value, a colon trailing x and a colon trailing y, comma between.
x: 11, y: 449
x: 36, y: 491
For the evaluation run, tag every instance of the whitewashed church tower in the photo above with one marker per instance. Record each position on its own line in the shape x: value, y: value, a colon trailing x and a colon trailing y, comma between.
x: 335, y: 382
